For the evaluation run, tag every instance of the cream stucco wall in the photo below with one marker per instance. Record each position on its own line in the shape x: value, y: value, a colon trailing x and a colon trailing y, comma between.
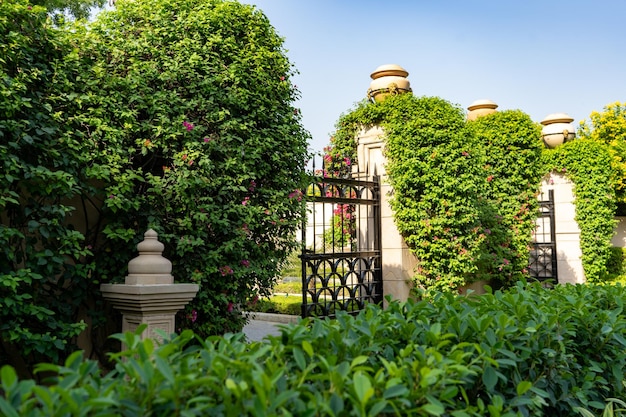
x: 569, y: 261
x: 398, y: 262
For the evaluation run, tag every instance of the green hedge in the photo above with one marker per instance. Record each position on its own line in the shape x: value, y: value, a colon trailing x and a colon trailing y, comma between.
x: 282, y: 304
x: 524, y: 352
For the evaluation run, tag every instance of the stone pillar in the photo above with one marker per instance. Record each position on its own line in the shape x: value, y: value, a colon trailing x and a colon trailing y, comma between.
x: 149, y: 295
x: 398, y: 262
x: 568, y: 253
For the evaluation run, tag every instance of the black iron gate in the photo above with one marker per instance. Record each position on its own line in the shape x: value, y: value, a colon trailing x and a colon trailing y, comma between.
x: 543, y: 261
x: 341, y: 259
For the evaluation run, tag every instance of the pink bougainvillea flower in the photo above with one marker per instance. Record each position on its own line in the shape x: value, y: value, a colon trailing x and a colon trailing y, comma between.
x: 465, y: 153
x: 347, y: 161
x: 297, y: 194
x: 226, y: 270
x: 245, y: 263
x: 282, y: 78
x: 230, y: 307
x: 245, y: 201
x: 188, y: 126
x: 490, y: 178
x: 207, y: 140
x: 194, y: 316
x: 252, y: 186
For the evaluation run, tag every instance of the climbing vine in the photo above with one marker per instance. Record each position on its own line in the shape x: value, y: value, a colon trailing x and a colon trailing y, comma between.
x: 464, y: 193
x: 587, y: 163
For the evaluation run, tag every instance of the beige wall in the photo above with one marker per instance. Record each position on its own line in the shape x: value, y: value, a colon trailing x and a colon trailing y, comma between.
x: 398, y: 262
x: 569, y: 262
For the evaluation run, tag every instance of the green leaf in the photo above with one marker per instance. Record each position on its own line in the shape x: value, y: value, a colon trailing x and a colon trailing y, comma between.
x: 523, y: 387
x: 359, y: 360
x: 8, y: 376
x: 489, y: 378
x: 308, y: 348
x: 7, y: 410
x: 298, y: 355
x: 433, y: 409
x: 165, y: 369
x: 395, y: 391
x: 362, y: 387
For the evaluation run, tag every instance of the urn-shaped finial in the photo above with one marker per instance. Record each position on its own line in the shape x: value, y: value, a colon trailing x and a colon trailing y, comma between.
x: 557, y: 129
x: 389, y: 79
x: 481, y: 108
x: 150, y: 267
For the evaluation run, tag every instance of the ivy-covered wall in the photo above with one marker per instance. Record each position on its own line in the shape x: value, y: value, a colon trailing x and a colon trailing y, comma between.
x: 587, y: 163
x: 465, y: 193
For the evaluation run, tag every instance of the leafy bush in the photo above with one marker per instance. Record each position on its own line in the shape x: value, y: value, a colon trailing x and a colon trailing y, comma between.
x: 524, y: 352
x: 289, y: 287
x: 513, y: 170
x: 164, y: 114
x: 44, y: 262
x: 616, y: 265
x: 609, y: 127
x: 280, y: 303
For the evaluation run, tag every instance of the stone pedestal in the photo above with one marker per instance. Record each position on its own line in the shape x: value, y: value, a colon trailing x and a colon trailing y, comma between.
x: 149, y: 295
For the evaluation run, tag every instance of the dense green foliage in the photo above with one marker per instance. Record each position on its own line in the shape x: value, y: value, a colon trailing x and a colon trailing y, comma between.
x: 464, y: 193
x: 174, y: 115
x: 194, y: 104
x: 43, y: 266
x: 77, y: 9
x: 609, y: 127
x: 434, y: 169
x: 588, y: 164
x: 513, y: 170
x: 616, y: 264
x: 278, y: 303
x: 523, y: 352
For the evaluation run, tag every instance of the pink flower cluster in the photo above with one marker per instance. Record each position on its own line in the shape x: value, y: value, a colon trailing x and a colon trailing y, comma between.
x: 297, y: 194
x: 226, y: 270
x: 188, y: 126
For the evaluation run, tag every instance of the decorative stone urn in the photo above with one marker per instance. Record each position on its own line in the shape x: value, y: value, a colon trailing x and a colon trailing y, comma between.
x: 481, y: 108
x: 389, y: 79
x: 149, y: 295
x: 557, y: 129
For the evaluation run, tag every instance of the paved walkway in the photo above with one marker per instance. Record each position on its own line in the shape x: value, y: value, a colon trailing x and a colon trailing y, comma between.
x: 263, y: 324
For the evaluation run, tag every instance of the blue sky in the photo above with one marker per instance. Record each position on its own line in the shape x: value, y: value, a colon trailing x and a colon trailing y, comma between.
x: 540, y: 57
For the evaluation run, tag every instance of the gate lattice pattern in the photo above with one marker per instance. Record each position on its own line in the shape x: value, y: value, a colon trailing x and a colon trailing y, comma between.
x: 341, y: 262
x: 543, y: 263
